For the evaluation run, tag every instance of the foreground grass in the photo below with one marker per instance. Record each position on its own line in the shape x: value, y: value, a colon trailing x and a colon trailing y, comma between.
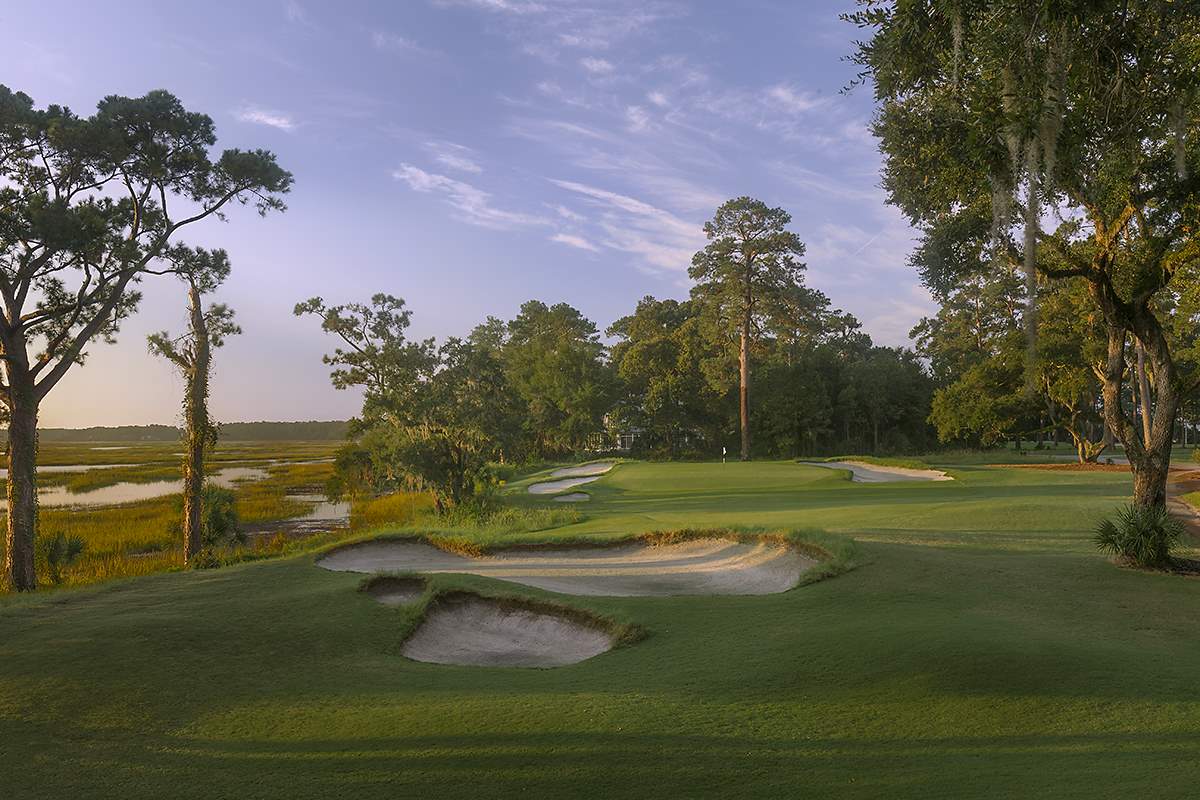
x: 980, y: 649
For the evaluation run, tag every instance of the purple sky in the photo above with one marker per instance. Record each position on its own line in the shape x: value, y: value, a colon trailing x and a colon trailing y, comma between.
x: 468, y: 155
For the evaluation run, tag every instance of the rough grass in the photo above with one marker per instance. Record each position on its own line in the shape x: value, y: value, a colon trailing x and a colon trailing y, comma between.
x: 982, y: 648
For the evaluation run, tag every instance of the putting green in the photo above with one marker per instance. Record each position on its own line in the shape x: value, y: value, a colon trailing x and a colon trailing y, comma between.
x: 981, y: 648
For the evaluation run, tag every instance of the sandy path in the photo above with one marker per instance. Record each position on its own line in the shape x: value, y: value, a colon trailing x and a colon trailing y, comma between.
x: 862, y: 472
x: 480, y: 632
x: 698, y: 567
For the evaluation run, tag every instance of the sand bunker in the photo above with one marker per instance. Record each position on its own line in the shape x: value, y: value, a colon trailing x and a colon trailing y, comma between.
x: 696, y: 567
x: 396, y: 591
x: 862, y: 472
x: 584, y: 470
x: 553, y: 487
x: 475, y: 631
x: 572, y: 477
x: 573, y: 497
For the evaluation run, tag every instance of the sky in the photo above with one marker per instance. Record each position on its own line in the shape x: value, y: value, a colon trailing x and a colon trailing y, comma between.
x: 469, y: 155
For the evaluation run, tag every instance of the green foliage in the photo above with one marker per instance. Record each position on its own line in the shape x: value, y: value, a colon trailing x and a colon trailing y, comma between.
x: 1142, y: 535
x: 554, y: 363
x: 219, y: 521
x: 58, y: 553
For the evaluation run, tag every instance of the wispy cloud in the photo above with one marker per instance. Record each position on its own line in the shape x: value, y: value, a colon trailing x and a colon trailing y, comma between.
x: 662, y: 240
x: 262, y: 116
x: 578, y: 242
x: 454, y: 156
x: 296, y: 14
x: 386, y: 41
x: 473, y: 205
x: 596, y: 66
x: 505, y: 6
x: 637, y: 118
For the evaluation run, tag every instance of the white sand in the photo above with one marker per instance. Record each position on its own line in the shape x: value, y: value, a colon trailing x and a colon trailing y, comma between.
x: 481, y: 632
x: 573, y: 497
x: 698, y: 567
x: 584, y: 470
x: 553, y: 487
x: 862, y: 472
x: 396, y: 591
x: 572, y: 477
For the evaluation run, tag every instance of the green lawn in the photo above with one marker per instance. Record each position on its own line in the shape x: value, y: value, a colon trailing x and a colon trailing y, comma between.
x: 980, y: 649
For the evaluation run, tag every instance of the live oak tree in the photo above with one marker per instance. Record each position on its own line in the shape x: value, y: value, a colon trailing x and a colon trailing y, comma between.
x: 433, y: 417
x: 746, y: 272
x: 555, y: 363
x: 1074, y: 123
x: 88, y: 207
x: 375, y: 352
x: 191, y: 354
x: 658, y: 358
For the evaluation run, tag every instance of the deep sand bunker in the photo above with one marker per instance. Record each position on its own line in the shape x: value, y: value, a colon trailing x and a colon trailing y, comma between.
x: 862, y: 472
x: 695, y: 567
x: 572, y: 477
x: 476, y: 631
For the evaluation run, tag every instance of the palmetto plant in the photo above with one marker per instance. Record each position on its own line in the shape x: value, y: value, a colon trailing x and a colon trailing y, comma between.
x: 1143, y: 535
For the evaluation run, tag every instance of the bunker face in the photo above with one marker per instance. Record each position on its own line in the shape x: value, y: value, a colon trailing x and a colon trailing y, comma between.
x: 863, y: 472
x: 697, y: 567
x: 396, y: 591
x: 481, y: 632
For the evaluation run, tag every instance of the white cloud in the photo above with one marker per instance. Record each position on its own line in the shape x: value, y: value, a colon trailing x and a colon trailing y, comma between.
x: 506, y: 6
x: 596, y: 66
x: 637, y: 118
x: 385, y: 40
x: 473, y: 205
x: 661, y: 239
x: 572, y: 240
x: 659, y: 99
x: 262, y: 116
x: 296, y: 14
x: 582, y: 42
x: 791, y: 101
x: 568, y: 214
x: 454, y: 156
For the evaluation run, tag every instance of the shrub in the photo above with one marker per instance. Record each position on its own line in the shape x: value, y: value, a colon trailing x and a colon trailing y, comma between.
x: 218, y: 518
x: 59, y: 552
x: 1141, y: 535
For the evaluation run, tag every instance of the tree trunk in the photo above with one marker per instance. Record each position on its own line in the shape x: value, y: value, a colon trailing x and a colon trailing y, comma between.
x: 744, y: 387
x: 1149, y: 460
x: 1143, y: 391
x: 198, y: 431
x: 19, y: 573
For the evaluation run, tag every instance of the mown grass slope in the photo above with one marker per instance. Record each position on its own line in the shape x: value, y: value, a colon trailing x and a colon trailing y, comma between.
x: 981, y: 649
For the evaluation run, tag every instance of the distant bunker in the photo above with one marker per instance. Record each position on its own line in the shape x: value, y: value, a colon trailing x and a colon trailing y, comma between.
x: 703, y: 566
x: 570, y: 477
x: 862, y: 472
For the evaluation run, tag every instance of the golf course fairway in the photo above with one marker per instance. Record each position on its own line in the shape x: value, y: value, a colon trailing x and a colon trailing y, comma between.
x: 959, y: 639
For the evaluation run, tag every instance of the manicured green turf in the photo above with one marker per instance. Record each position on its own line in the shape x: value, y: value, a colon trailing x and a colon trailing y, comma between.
x: 981, y: 649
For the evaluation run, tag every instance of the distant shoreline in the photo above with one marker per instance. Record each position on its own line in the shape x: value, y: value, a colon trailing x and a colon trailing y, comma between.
x: 313, y: 430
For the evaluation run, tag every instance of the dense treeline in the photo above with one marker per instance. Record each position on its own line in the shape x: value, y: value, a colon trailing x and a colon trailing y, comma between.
x: 752, y: 350
x: 311, y: 431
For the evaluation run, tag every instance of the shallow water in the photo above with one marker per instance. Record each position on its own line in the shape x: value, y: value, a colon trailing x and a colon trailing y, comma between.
x: 127, y: 492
